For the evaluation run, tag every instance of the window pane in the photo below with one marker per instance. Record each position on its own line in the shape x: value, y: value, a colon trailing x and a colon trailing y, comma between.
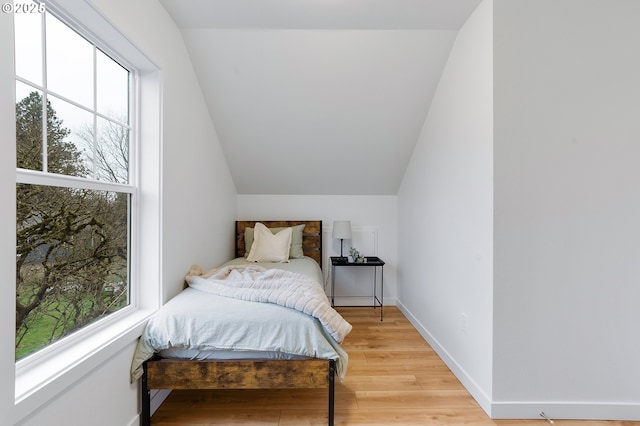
x: 112, y: 152
x: 28, y: 30
x: 69, y: 134
x: 69, y: 63
x: 71, y: 261
x: 28, y: 127
x: 112, y: 87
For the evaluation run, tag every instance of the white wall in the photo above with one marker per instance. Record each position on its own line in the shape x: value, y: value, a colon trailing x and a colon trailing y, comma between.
x: 567, y: 208
x: 103, y: 398
x: 445, y: 207
x: 563, y: 337
x: 198, y: 210
x: 368, y: 214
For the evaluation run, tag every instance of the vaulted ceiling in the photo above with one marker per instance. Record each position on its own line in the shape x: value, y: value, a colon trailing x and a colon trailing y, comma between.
x: 318, y: 96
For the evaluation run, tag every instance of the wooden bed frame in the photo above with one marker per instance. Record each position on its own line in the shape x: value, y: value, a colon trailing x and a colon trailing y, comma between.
x: 311, y: 235
x: 166, y: 373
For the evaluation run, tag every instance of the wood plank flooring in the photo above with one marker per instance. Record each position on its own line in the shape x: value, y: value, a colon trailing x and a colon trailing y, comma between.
x: 394, y: 378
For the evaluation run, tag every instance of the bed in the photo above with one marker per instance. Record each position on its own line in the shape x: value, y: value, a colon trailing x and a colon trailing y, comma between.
x: 239, y: 343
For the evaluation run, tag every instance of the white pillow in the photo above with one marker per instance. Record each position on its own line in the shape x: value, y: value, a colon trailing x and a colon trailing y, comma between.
x: 268, y: 247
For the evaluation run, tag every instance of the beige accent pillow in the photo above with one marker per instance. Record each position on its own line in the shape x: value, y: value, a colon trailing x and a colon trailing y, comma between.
x: 268, y: 247
x: 295, y: 250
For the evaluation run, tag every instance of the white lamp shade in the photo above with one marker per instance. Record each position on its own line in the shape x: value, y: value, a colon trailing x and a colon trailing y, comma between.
x: 342, y: 229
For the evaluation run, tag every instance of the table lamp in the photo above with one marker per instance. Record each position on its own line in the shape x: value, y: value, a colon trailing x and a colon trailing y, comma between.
x: 341, y: 231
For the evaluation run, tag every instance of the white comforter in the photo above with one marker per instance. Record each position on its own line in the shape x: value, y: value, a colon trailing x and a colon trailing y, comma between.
x: 206, y: 321
x: 285, y: 288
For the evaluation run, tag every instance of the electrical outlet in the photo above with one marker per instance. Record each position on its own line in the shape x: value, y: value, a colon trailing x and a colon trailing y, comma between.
x: 464, y: 322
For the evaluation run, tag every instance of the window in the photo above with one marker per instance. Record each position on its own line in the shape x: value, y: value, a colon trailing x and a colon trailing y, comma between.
x: 75, y: 188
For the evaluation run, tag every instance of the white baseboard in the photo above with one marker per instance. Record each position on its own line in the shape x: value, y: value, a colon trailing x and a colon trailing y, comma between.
x: 472, y: 387
x: 565, y: 410
x: 526, y: 409
x: 157, y: 397
x: 353, y: 301
x: 363, y: 301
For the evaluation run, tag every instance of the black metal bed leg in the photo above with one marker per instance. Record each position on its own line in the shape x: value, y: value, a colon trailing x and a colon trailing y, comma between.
x: 145, y: 395
x: 332, y: 379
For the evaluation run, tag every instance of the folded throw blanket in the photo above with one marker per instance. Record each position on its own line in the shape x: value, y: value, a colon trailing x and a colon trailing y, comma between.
x: 285, y: 288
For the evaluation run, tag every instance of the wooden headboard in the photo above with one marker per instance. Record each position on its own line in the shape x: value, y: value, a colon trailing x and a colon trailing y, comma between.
x: 311, y: 237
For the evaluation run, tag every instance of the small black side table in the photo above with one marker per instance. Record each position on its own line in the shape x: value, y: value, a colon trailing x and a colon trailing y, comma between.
x: 369, y: 261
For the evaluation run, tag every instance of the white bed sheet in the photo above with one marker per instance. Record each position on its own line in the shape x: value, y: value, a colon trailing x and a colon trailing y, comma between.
x: 201, y: 355
x: 199, y: 325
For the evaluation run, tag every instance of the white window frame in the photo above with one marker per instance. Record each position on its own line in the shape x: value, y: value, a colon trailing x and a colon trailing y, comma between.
x: 44, y: 178
x: 41, y: 376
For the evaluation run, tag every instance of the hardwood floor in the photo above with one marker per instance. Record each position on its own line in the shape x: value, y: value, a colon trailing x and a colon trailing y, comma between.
x: 394, y: 378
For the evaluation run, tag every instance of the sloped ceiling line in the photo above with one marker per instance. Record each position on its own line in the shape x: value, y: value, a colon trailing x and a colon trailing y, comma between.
x: 318, y: 97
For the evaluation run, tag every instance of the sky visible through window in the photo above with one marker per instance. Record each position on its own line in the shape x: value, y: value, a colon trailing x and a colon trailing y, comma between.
x: 80, y: 79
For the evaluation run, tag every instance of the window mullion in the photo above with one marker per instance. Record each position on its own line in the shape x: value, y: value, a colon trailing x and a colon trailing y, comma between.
x: 44, y: 93
x: 95, y: 109
x: 33, y: 177
x: 72, y: 102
